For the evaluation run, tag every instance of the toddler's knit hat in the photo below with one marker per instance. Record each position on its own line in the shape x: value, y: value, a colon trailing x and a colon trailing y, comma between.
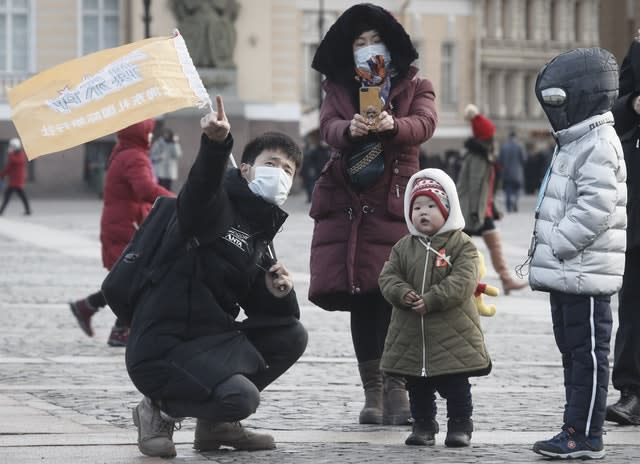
x: 481, y: 126
x: 433, y: 190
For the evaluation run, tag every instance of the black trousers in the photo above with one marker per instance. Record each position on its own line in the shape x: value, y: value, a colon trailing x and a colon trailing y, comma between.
x: 239, y: 396
x: 370, y: 316
x: 582, y: 329
x: 7, y: 196
x: 456, y: 389
x: 626, y: 359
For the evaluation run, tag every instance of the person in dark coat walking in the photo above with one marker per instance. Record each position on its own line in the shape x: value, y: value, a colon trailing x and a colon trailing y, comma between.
x: 130, y: 189
x: 511, y: 159
x: 476, y: 188
x: 187, y: 352
x: 357, y: 203
x: 626, y: 360
x: 16, y: 171
x: 316, y: 154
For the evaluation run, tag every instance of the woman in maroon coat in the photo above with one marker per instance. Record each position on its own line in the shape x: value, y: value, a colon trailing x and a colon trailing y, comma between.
x: 130, y: 188
x: 16, y: 170
x: 358, y: 211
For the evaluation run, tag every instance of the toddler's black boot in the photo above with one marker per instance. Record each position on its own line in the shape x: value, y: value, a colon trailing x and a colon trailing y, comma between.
x: 423, y: 433
x: 459, y: 432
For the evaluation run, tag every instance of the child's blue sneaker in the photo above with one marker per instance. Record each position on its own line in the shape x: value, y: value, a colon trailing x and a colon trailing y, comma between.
x: 570, y: 445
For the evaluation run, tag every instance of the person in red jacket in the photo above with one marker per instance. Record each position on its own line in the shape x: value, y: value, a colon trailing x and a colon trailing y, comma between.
x: 357, y: 203
x: 130, y: 188
x: 16, y: 171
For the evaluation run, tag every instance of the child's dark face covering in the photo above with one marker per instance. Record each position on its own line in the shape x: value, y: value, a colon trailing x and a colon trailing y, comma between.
x: 577, y: 85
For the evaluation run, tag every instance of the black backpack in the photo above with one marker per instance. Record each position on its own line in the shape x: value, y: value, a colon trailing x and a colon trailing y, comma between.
x: 144, y: 260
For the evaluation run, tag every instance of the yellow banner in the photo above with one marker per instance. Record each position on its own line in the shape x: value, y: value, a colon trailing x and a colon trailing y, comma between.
x: 101, y: 93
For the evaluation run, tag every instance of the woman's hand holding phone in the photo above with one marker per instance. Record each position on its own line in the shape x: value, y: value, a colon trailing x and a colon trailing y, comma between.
x: 358, y: 126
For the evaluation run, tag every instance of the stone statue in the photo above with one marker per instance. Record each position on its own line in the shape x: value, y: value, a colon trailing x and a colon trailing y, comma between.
x: 208, y: 30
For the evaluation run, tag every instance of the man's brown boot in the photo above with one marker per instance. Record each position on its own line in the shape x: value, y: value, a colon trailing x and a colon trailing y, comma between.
x: 155, y: 430
x: 212, y: 435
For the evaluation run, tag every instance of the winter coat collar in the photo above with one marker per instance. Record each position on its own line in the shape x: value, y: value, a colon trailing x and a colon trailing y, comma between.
x: 582, y: 128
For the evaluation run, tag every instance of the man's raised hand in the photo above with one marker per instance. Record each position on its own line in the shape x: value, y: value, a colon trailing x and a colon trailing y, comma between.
x: 215, y: 124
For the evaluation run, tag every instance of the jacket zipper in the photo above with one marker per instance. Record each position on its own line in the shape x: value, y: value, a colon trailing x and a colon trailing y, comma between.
x: 424, y: 343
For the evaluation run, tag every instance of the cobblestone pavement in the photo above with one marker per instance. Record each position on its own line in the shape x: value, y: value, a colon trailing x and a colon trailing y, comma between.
x: 65, y: 397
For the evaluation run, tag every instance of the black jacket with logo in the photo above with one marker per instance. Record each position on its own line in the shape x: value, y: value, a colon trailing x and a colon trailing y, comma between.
x: 184, y: 336
x: 628, y: 129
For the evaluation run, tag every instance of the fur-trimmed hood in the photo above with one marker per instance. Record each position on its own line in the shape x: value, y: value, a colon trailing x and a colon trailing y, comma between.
x: 455, y: 221
x: 334, y: 57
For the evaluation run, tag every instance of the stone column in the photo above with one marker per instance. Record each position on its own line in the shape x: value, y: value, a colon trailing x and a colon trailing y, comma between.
x: 520, y: 19
x: 498, y: 103
x: 587, y: 22
x: 544, y: 19
x: 559, y: 21
x: 535, y: 110
x: 593, y: 33
x: 494, y: 19
x: 509, y: 15
x: 485, y: 93
x: 570, y: 17
x: 515, y: 94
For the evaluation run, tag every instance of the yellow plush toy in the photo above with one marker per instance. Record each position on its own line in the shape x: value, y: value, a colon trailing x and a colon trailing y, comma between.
x: 482, y: 288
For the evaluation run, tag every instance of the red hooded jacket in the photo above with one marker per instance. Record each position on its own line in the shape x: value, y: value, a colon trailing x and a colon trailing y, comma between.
x: 130, y: 189
x: 16, y: 169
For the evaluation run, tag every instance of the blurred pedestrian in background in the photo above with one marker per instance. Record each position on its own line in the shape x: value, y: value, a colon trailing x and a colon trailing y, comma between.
x: 476, y: 184
x: 358, y: 201
x: 165, y: 153
x: 316, y: 154
x: 511, y: 158
x: 626, y: 355
x: 16, y: 171
x: 578, y: 244
x: 130, y: 189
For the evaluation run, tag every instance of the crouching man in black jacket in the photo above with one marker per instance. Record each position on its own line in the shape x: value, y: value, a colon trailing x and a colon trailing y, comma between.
x: 186, y: 352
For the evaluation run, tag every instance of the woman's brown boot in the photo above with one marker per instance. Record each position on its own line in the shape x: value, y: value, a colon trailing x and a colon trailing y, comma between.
x: 492, y: 240
x: 372, y: 383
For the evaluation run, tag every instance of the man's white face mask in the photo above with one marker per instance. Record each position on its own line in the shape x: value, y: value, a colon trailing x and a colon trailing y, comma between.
x: 272, y: 184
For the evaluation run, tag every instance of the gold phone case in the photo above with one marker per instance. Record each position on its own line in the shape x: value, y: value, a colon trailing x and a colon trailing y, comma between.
x: 370, y: 104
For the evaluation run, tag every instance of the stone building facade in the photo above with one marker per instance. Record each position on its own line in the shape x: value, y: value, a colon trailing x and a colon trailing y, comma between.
x: 483, y: 51
x: 517, y: 38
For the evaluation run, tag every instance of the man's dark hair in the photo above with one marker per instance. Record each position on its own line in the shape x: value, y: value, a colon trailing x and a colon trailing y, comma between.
x: 272, y: 141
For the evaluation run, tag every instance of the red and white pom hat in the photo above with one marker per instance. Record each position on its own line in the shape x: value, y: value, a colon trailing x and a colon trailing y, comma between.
x: 432, y: 189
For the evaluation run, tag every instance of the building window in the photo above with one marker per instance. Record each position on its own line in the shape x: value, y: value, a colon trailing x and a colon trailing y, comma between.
x: 15, y: 41
x: 100, y: 25
x: 448, y: 78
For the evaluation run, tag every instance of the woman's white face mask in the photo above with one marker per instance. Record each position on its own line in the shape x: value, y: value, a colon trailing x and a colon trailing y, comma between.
x: 362, y: 55
x: 272, y: 184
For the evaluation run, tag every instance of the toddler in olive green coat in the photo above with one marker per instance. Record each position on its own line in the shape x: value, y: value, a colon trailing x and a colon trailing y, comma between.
x: 434, y: 339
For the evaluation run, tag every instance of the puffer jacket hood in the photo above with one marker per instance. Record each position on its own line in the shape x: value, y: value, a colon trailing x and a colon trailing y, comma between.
x: 567, y: 97
x: 455, y: 221
x: 136, y: 135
